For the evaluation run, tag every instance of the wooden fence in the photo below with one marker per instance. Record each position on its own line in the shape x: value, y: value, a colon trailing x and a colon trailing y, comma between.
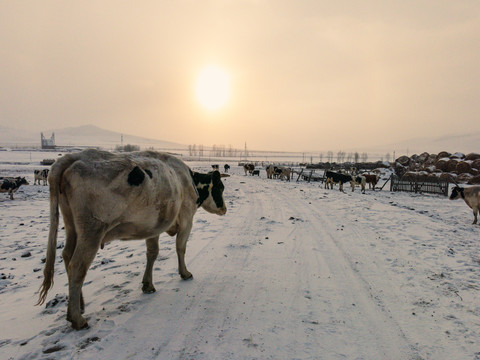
x: 419, y: 184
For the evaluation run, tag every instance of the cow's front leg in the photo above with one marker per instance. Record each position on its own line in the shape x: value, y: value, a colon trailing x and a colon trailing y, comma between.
x: 182, y: 237
x: 85, y: 251
x: 475, y: 211
x: 152, y: 253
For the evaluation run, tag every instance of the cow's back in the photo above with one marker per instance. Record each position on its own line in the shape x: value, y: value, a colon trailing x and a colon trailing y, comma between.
x: 144, y: 190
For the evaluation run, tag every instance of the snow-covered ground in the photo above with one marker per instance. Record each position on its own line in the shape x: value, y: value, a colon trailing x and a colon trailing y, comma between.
x: 293, y: 271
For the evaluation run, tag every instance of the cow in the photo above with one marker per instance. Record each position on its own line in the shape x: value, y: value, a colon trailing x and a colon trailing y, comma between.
x: 215, y: 167
x: 277, y: 171
x: 336, y: 178
x: 11, y: 185
x: 358, y: 180
x: 249, y: 168
x: 270, y: 170
x: 40, y: 175
x: 371, y: 180
x: 471, y: 196
x: 256, y: 172
x: 285, y: 174
x: 226, y: 167
x: 129, y: 196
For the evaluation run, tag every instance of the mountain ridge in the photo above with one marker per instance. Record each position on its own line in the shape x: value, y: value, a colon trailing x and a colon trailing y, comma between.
x: 83, y: 135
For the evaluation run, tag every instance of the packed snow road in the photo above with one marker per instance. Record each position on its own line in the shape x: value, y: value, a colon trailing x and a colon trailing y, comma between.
x: 293, y: 271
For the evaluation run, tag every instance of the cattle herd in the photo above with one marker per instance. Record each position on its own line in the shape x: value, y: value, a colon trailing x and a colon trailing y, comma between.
x: 138, y: 196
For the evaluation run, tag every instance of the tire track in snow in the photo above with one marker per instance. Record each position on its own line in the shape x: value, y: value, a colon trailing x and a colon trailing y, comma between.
x: 351, y: 296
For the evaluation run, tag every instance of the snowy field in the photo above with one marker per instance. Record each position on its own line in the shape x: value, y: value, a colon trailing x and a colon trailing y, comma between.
x: 293, y: 271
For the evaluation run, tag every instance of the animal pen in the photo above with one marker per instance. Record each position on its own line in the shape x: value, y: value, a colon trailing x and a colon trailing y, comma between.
x: 419, y: 184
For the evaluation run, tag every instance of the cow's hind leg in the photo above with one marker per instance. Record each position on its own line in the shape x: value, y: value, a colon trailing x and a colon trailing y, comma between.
x: 87, y: 246
x: 152, y: 253
x: 182, y: 237
x: 67, y: 253
x: 475, y: 212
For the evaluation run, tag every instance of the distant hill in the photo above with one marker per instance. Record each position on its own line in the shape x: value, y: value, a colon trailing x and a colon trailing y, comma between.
x: 87, y: 135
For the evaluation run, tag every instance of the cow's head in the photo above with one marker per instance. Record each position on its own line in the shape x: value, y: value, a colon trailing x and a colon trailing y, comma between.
x: 210, y: 192
x: 457, y: 193
x: 21, y: 181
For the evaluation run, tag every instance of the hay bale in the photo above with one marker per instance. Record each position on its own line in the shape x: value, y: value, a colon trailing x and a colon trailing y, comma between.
x: 448, y: 176
x: 457, y: 155
x: 423, y: 157
x: 476, y: 164
x: 443, y: 154
x: 464, y: 178
x: 474, y: 180
x: 463, y: 167
x: 403, y: 160
x: 452, y: 165
x: 472, y: 156
x: 442, y: 164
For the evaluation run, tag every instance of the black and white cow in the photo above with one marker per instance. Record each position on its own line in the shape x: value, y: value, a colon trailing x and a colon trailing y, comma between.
x: 40, y: 175
x: 249, y: 168
x: 226, y: 167
x: 359, y: 180
x: 471, y: 196
x: 11, y: 185
x: 104, y: 197
x: 336, y: 178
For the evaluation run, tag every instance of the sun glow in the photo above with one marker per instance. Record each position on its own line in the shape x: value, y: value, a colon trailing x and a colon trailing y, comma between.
x: 213, y: 87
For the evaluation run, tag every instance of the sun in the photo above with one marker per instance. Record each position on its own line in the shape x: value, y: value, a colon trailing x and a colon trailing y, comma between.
x: 213, y: 87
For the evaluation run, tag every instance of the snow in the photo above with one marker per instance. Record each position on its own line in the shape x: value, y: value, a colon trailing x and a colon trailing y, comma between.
x: 293, y: 271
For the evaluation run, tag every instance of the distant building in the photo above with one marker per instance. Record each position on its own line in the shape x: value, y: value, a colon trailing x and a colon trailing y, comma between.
x: 48, y: 143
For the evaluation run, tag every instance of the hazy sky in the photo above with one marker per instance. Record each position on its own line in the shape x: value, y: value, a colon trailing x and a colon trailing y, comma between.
x: 304, y: 75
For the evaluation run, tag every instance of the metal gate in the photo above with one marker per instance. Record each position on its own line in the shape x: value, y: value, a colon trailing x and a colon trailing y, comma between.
x: 419, y: 184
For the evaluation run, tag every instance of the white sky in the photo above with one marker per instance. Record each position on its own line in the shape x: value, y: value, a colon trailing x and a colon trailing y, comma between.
x: 305, y: 75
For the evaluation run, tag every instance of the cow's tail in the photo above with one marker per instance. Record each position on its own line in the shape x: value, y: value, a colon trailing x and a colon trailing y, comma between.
x: 54, y: 180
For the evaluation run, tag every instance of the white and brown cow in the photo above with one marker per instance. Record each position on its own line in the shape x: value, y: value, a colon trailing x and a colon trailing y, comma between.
x: 105, y: 196
x: 40, y: 175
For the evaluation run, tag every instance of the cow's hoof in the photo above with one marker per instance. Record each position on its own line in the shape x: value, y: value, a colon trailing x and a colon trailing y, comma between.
x: 187, y: 276
x: 79, y: 325
x: 148, y: 288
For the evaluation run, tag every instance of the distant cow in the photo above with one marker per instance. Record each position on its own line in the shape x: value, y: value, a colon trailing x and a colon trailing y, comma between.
x: 249, y: 168
x: 359, y: 180
x: 270, y: 171
x: 11, y: 185
x: 256, y: 172
x: 105, y: 196
x: 371, y: 180
x: 40, y: 175
x: 471, y: 196
x: 336, y: 178
x: 226, y: 167
x: 285, y: 174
